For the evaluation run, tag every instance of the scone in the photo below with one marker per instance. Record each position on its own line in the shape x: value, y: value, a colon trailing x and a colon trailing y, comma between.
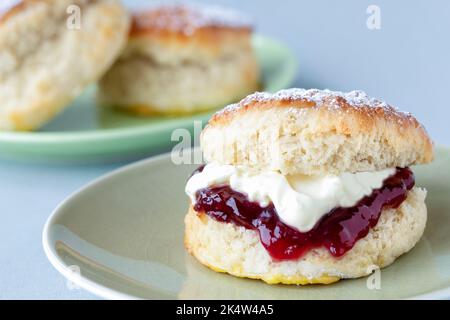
x: 182, y: 59
x: 47, y: 61
x: 307, y: 186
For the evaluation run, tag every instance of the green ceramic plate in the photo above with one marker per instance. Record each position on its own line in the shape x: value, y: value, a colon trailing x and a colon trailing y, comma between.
x: 85, y: 132
x: 124, y: 232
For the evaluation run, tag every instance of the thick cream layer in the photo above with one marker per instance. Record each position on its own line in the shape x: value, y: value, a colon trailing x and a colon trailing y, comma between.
x: 300, y: 200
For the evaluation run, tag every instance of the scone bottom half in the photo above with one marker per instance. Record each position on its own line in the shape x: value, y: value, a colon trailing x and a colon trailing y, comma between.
x: 302, y: 228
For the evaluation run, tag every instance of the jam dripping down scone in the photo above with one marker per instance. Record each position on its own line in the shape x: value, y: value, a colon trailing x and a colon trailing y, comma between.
x: 307, y: 186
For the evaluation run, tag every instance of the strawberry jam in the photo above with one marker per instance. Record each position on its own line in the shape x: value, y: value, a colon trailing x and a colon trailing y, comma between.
x: 337, y: 231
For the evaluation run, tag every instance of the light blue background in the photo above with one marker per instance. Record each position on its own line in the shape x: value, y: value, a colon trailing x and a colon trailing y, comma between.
x: 406, y: 62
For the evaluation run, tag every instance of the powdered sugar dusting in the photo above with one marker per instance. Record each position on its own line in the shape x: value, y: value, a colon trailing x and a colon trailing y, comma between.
x: 355, y: 98
x: 333, y: 99
x: 188, y: 18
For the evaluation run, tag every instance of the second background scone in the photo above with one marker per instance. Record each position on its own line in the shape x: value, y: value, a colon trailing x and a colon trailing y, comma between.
x: 182, y: 59
x: 45, y: 64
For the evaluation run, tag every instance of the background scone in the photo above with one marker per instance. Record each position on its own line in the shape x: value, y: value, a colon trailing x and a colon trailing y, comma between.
x: 182, y: 59
x: 45, y: 64
x: 292, y: 193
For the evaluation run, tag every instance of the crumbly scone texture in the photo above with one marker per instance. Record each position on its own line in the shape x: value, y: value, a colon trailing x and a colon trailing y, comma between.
x: 225, y: 247
x: 143, y: 87
x: 46, y: 61
x: 315, y: 132
x: 180, y: 60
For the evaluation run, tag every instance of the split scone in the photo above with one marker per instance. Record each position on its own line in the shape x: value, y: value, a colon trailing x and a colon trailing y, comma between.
x: 307, y: 186
x: 50, y: 50
x: 182, y: 59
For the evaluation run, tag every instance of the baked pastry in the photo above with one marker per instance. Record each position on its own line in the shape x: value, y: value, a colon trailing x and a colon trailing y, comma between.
x: 182, y: 59
x: 307, y: 186
x: 47, y: 61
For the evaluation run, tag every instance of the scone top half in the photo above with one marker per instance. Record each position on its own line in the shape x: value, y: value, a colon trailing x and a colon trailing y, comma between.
x: 175, y: 34
x: 315, y: 132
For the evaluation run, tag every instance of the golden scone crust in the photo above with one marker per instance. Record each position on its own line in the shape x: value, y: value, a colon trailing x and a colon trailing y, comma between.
x: 224, y: 247
x: 188, y: 32
x: 182, y: 59
x: 315, y: 132
x: 46, y: 63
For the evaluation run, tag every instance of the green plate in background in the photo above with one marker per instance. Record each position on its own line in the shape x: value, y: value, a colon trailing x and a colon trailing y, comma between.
x: 84, y: 132
x: 124, y: 234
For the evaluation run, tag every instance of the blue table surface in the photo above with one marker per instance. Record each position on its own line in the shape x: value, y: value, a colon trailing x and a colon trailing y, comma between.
x: 406, y: 62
